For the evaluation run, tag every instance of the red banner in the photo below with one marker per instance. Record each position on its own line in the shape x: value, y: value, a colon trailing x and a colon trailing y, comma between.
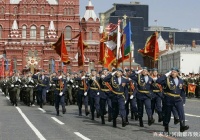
x: 80, y: 51
x: 11, y: 68
x: 151, y: 48
x: 191, y: 88
x: 61, y: 50
x: 2, y: 68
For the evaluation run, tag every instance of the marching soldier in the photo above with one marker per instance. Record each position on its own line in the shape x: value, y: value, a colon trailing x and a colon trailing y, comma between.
x: 131, y: 97
x: 4, y: 86
x: 29, y: 85
x: 43, y: 87
x: 144, y: 95
x: 75, y: 89
x: 15, y: 85
x: 82, y: 93
x: 59, y: 92
x: 105, y: 97
x: 175, y: 96
x: 93, y: 91
x: 157, y: 95
x: 120, y: 93
x: 69, y: 82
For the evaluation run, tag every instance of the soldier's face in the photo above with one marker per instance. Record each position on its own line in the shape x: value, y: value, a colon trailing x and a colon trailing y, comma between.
x: 105, y: 72
x: 94, y: 73
x: 119, y: 73
x: 155, y: 73
x: 174, y: 73
x: 144, y: 72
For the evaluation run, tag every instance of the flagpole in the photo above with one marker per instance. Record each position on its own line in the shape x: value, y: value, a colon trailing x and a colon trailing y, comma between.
x: 118, y: 42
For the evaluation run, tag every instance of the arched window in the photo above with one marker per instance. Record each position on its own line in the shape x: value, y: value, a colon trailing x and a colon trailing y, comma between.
x: 33, y: 32
x: 51, y: 65
x: 23, y: 31
x: 52, y: 11
x: 0, y: 31
x: 68, y: 32
x: 65, y: 11
x: 2, y: 10
x: 90, y: 35
x: 72, y: 11
x: 42, y: 11
x: 15, y: 63
x: 33, y: 10
x: 15, y: 10
x: 42, y: 32
x: 24, y: 10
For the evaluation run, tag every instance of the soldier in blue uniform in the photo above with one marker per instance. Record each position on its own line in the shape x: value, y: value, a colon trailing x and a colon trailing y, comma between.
x: 120, y: 94
x: 59, y: 92
x: 93, y: 92
x: 156, y: 96
x: 175, y: 97
x: 144, y: 95
x: 43, y: 87
x: 82, y: 85
x: 131, y: 97
x: 105, y: 97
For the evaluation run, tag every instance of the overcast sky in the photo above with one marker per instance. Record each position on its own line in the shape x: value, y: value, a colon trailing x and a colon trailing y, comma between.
x: 181, y: 14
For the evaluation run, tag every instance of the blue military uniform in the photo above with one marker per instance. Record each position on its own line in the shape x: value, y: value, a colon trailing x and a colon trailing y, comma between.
x: 144, y: 95
x: 59, y: 93
x: 120, y: 95
x: 93, y: 92
x: 43, y: 87
x: 82, y: 87
x: 175, y: 97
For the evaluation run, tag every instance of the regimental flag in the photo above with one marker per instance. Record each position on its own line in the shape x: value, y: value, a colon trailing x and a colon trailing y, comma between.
x: 11, y: 68
x: 151, y: 48
x: 122, y: 49
x: 191, y: 88
x: 61, y: 50
x: 127, y: 32
x: 102, y: 48
x: 2, y: 68
x: 80, y: 50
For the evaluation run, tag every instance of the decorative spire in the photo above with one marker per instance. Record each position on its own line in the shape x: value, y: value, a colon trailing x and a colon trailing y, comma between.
x: 51, y: 31
x: 14, y: 33
x: 89, y: 13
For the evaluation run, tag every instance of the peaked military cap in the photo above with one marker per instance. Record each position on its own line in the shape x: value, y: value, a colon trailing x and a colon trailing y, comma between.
x: 154, y: 69
x: 175, y: 68
x: 144, y: 68
x: 104, y: 69
x: 127, y: 70
x: 120, y: 69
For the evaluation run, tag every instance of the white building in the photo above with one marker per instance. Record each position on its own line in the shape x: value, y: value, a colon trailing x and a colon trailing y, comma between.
x: 186, y: 58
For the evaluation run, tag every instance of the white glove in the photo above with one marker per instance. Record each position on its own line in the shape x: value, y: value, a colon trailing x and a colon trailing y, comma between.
x: 60, y: 77
x: 125, y: 101
x: 97, y: 93
x: 82, y: 77
x: 131, y: 97
x: 85, y: 94
x: 25, y: 85
x: 183, y: 104
x: 129, y: 79
x: 71, y: 80
x: 12, y: 85
x: 103, y: 76
x: 32, y: 81
x: 37, y: 73
x: 73, y: 86
x: 139, y: 71
x: 50, y: 84
x: 76, y: 86
x: 47, y: 91
x: 167, y: 74
x: 61, y: 93
x: 19, y: 80
x: 114, y: 73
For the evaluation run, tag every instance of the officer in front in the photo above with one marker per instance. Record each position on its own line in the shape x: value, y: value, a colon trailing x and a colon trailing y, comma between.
x: 175, y: 96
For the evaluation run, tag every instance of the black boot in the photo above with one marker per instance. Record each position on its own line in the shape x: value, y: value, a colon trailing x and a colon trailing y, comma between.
x: 136, y: 116
x: 57, y: 112
x: 183, y: 127
x: 160, y: 118
x: 114, y: 123
x: 127, y: 122
x: 141, y: 122
x: 98, y: 115
x: 92, y: 116
x: 132, y: 115
x: 150, y: 120
x: 166, y: 129
x: 102, y: 120
x: 80, y: 112
x: 86, y: 112
x: 124, y: 122
x: 109, y: 118
x: 176, y: 120
x: 63, y: 110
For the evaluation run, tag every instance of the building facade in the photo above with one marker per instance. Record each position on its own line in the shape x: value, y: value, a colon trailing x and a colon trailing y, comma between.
x: 28, y: 28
